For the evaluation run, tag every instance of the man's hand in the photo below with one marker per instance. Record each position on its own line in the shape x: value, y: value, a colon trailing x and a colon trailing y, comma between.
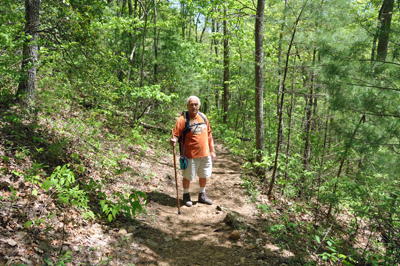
x: 213, y: 156
x: 173, y: 141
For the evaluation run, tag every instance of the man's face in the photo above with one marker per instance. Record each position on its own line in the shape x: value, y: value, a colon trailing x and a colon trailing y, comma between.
x: 193, y: 106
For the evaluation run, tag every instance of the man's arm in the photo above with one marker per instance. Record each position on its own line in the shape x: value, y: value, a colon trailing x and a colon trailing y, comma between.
x: 211, y: 145
x: 176, y: 132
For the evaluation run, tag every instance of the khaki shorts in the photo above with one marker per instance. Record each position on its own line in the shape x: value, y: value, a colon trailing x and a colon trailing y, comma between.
x: 200, y: 166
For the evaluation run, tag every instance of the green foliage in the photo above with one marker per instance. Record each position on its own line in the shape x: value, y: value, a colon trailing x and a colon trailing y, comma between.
x: 34, y: 175
x: 62, y: 260
x: 63, y: 181
x: 117, y: 203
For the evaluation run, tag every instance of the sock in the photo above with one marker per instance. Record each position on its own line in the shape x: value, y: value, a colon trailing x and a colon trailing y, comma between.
x: 202, y: 189
x: 185, y: 190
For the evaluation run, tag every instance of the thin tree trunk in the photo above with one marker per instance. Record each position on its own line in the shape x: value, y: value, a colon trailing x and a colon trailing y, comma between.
x: 197, y: 23
x: 307, y: 131
x: 216, y: 30
x: 26, y: 88
x: 280, y: 124
x: 280, y: 57
x: 143, y: 47
x: 204, y: 29
x: 123, y: 6
x: 241, y: 107
x: 290, y: 116
x: 385, y: 19
x: 130, y: 7
x: 344, y: 157
x: 320, y: 167
x: 183, y: 19
x: 121, y: 10
x: 226, y: 69
x: 155, y: 42
x: 132, y: 56
x: 135, y: 8
x: 190, y: 27
x: 259, y: 86
x: 244, y: 118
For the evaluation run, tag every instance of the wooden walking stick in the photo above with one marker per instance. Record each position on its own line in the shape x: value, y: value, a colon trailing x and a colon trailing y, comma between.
x: 176, y: 176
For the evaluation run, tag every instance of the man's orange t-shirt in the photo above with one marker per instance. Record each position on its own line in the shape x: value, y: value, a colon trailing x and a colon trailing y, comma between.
x: 196, y: 141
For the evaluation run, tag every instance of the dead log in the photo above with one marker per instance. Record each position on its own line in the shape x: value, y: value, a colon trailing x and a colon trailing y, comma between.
x: 155, y: 127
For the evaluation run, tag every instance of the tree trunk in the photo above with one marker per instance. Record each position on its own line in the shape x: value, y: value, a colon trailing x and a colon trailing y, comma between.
x: 183, y: 19
x: 135, y: 8
x: 307, y: 129
x: 190, y: 27
x: 132, y: 56
x: 320, y: 166
x: 307, y: 132
x: 385, y: 19
x: 259, y: 86
x: 280, y: 123
x: 344, y: 157
x: 204, y: 29
x: 280, y: 58
x: 155, y: 42
x: 130, y: 7
x: 215, y: 29
x: 226, y: 70
x: 26, y: 87
x: 120, y: 11
x: 290, y: 115
x: 196, y: 24
x: 143, y: 47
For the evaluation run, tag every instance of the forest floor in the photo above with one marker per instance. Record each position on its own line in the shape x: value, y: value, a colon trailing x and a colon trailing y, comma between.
x: 232, y: 231
x: 229, y: 232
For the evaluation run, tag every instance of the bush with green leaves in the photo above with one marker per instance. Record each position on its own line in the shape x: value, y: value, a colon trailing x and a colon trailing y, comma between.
x: 117, y: 203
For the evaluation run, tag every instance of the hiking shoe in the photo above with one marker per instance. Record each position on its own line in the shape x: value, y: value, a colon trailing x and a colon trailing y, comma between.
x: 204, y: 199
x: 186, y: 200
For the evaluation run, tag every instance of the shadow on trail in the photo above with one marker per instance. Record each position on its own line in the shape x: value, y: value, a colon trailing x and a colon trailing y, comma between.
x: 163, y: 199
x: 166, y: 200
x: 157, y: 247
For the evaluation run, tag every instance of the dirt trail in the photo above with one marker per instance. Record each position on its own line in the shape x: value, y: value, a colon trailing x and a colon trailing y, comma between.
x: 199, y: 236
x: 159, y: 237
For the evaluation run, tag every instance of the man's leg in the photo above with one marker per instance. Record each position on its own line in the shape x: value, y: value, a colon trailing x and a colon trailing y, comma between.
x: 189, y: 174
x: 186, y: 196
x: 186, y: 183
x: 202, y: 181
x: 205, y: 170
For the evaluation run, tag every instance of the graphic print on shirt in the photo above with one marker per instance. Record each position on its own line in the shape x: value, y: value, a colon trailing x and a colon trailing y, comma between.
x: 196, y: 128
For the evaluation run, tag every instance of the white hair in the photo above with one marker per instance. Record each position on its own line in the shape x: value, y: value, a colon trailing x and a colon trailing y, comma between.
x: 197, y: 98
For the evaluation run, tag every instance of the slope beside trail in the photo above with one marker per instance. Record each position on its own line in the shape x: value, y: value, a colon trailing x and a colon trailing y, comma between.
x: 201, y: 234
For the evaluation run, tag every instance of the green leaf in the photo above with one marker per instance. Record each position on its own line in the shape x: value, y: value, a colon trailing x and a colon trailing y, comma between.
x: 5, y: 158
x: 46, y: 185
x: 318, y: 239
x: 28, y: 223
x: 35, y: 192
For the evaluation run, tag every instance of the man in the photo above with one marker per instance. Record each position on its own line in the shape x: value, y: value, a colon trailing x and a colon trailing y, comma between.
x: 199, y: 149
